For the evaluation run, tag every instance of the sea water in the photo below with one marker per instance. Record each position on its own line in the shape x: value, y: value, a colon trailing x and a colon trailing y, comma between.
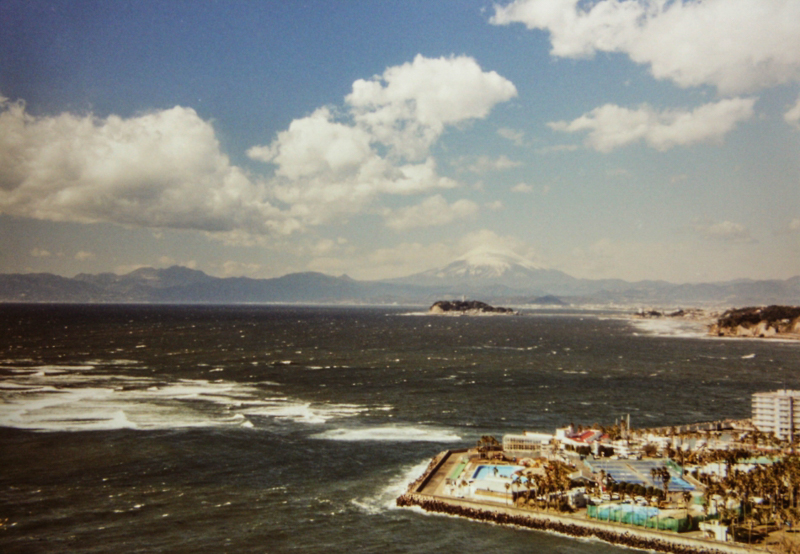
x: 293, y: 429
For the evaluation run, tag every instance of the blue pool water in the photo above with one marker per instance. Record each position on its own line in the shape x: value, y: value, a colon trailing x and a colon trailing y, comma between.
x: 488, y: 471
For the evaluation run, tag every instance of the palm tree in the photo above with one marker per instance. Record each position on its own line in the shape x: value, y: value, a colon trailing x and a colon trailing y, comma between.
x: 665, y: 479
x: 687, y: 500
x: 528, y: 485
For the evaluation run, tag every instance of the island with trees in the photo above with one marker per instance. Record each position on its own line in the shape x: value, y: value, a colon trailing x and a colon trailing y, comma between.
x: 467, y: 307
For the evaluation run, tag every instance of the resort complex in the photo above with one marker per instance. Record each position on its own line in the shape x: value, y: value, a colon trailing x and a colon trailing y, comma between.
x: 725, y: 486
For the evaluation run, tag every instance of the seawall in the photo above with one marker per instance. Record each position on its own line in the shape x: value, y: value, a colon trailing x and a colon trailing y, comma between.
x: 610, y: 532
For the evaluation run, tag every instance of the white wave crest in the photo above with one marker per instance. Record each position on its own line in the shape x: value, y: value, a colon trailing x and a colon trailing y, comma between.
x: 304, y: 412
x: 63, y: 400
x: 671, y: 327
x: 385, y: 498
x: 390, y: 433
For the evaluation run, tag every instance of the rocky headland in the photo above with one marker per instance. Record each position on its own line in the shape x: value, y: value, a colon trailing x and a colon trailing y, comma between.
x: 759, y: 322
x: 467, y: 307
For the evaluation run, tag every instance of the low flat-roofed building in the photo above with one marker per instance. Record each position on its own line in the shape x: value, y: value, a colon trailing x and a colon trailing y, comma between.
x: 777, y: 412
x: 527, y: 442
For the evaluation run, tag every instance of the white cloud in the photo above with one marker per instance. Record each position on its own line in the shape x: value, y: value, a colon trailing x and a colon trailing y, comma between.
x: 794, y: 225
x: 317, y: 145
x: 239, y: 269
x: 84, y: 256
x: 327, y: 168
x: 163, y: 170
x: 489, y: 241
x: 408, y: 107
x: 734, y: 45
x: 170, y: 261
x: 726, y: 231
x: 432, y: 211
x: 412, y: 257
x: 40, y: 253
x: 522, y: 187
x: 792, y: 115
x: 485, y: 164
x: 517, y: 137
x: 611, y: 126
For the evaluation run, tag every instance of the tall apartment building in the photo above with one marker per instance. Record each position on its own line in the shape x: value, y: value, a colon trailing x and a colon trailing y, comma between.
x: 777, y: 412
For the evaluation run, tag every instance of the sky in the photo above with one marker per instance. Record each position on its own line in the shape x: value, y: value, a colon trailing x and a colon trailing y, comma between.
x: 632, y: 139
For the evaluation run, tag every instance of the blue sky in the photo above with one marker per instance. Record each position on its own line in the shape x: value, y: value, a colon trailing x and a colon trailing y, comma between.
x: 612, y: 138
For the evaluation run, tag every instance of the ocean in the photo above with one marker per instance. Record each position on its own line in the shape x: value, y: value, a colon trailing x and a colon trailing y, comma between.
x: 293, y: 429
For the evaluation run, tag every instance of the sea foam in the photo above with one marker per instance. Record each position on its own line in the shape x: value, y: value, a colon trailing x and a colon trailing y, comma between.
x: 67, y: 398
x: 389, y: 433
x: 384, y: 499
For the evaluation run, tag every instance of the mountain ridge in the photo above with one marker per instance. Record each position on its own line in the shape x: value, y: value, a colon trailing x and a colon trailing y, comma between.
x: 496, y: 277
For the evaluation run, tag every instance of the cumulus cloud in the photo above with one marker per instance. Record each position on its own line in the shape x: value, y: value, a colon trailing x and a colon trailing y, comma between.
x: 726, y: 231
x: 331, y: 164
x: 611, y: 126
x: 163, y: 169
x: 517, y: 137
x: 794, y: 225
x: 408, y: 107
x: 84, y: 256
x: 432, y: 211
x: 40, y: 253
x: 317, y: 144
x: 734, y: 45
x: 522, y: 187
x: 792, y: 115
x: 485, y: 164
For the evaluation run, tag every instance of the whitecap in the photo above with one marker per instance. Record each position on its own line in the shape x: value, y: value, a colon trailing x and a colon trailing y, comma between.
x: 385, y: 498
x: 389, y: 433
x: 83, y: 402
x: 671, y: 327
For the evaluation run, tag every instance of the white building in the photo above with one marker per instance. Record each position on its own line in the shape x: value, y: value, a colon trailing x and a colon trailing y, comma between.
x: 530, y: 442
x: 777, y: 412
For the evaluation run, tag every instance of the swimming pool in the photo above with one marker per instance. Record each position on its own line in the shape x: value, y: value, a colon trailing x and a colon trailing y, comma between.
x: 485, y: 471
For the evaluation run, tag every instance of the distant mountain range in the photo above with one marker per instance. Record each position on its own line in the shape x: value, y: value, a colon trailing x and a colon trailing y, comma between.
x: 487, y: 276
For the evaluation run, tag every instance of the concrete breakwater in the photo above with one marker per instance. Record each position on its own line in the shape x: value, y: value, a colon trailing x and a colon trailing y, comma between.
x: 577, y: 528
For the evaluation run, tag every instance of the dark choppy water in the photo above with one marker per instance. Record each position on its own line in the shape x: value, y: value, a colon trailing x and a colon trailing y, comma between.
x: 275, y: 429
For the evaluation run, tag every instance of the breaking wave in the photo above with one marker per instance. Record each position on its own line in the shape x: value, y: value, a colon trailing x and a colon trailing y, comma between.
x: 385, y: 498
x: 67, y: 398
x: 670, y: 327
x: 390, y: 433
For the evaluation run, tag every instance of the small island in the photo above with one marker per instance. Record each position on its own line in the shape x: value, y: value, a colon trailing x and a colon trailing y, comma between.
x: 467, y: 307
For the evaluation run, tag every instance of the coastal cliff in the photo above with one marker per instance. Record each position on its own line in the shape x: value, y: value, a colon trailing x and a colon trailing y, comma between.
x: 760, y: 322
x: 466, y: 307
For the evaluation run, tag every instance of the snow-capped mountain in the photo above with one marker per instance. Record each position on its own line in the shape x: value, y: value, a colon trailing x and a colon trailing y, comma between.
x: 481, y: 268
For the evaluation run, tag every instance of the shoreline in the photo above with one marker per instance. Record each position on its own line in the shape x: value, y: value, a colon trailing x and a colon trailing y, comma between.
x: 563, y: 524
x: 616, y: 534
